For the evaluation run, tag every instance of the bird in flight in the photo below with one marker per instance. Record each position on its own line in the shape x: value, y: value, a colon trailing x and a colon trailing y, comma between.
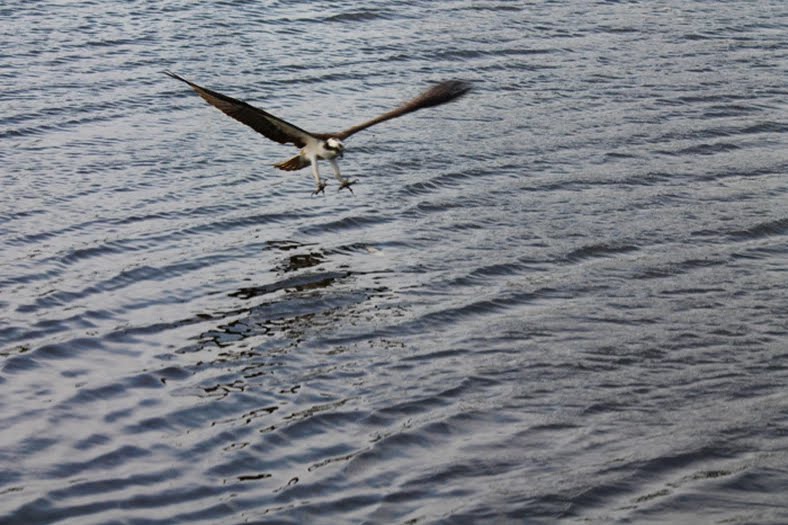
x: 319, y: 146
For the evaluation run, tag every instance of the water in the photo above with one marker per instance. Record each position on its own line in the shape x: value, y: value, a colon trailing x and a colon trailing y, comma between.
x: 561, y: 299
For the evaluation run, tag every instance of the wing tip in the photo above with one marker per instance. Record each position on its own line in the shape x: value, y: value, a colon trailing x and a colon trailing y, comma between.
x: 454, y: 88
x: 175, y: 76
x: 442, y: 92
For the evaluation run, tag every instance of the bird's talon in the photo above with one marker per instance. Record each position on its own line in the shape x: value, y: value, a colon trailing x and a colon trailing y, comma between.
x: 321, y: 188
x: 346, y: 183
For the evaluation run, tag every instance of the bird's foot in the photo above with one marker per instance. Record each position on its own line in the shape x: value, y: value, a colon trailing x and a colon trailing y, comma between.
x: 346, y: 183
x: 321, y: 188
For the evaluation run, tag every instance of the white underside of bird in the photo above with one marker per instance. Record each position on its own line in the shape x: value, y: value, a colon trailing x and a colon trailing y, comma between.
x: 318, y: 149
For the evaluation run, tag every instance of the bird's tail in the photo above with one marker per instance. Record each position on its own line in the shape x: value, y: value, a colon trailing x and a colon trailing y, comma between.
x: 294, y: 163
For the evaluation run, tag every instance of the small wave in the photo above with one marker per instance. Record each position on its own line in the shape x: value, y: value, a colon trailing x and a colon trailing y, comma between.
x: 345, y: 224
x: 364, y: 15
x: 592, y: 251
x: 299, y: 282
x: 441, y: 181
x: 778, y: 227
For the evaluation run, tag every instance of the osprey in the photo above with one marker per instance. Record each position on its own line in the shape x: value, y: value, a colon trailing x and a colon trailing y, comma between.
x: 319, y: 146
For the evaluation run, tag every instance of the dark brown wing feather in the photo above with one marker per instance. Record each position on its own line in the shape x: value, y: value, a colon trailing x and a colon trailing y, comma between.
x: 261, y: 121
x: 435, y: 96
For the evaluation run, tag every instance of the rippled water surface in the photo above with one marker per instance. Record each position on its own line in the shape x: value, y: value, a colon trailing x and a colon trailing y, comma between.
x: 561, y: 299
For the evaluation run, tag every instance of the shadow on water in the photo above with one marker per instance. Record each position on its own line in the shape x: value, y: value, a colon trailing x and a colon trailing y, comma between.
x: 303, y: 305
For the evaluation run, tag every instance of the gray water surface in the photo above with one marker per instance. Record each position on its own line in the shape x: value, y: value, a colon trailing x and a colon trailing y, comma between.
x: 561, y: 299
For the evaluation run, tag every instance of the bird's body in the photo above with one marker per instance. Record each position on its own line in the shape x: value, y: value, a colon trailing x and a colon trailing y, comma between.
x: 318, y: 146
x: 318, y: 149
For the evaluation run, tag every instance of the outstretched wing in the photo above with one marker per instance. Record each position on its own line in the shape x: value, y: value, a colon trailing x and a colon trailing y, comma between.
x: 261, y: 121
x: 438, y: 94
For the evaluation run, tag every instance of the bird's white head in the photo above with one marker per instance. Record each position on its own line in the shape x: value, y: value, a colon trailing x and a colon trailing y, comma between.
x: 335, y: 145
